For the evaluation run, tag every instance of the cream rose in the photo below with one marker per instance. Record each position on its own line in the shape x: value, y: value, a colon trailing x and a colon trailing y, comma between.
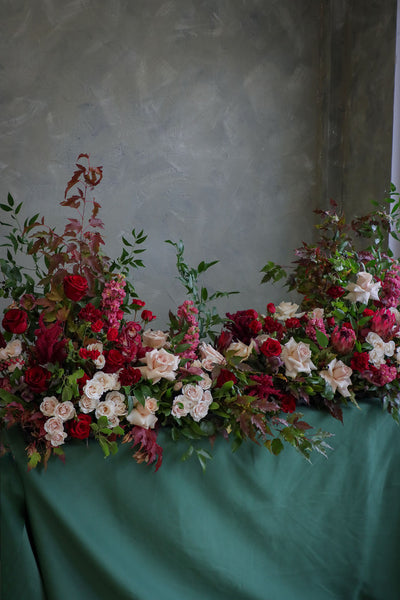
x: 199, y: 411
x: 100, y: 361
x: 210, y: 357
x: 296, y: 357
x: 106, y: 408
x: 118, y: 400
x: 57, y: 438
x: 181, y: 406
x: 160, y: 364
x: 93, y: 389
x: 207, y: 398
x: 107, y: 380
x: 48, y: 405
x: 287, y: 310
x: 154, y: 338
x: 193, y: 392
x: 151, y: 404
x: 364, y: 289
x: 142, y: 417
x: 12, y: 350
x: 54, y: 425
x: 65, y: 410
x: 87, y: 405
x: 380, y: 349
x: 240, y: 349
x: 338, y: 376
x: 205, y: 382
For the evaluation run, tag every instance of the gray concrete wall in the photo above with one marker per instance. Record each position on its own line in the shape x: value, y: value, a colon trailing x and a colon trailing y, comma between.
x: 223, y: 123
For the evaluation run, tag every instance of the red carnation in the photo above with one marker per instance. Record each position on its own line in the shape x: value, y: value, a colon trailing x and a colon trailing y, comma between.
x: 75, y: 287
x: 89, y: 313
x: 292, y: 323
x: 36, y: 378
x: 129, y: 376
x: 97, y: 326
x: 360, y: 361
x: 80, y: 428
x: 15, y: 320
x: 271, y: 347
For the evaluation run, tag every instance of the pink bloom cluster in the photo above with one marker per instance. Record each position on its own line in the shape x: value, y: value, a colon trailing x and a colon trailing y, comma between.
x: 187, y: 314
x: 111, y: 299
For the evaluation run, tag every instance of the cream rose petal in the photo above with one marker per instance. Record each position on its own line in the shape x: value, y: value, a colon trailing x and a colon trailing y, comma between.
x: 338, y: 376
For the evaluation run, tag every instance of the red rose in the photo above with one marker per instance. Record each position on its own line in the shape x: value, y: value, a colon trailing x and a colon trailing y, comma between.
x: 112, y: 334
x: 271, y: 347
x: 147, y: 315
x: 225, y: 376
x: 15, y: 320
x: 80, y: 428
x: 335, y: 291
x: 36, y: 378
x: 75, y: 287
x: 288, y: 404
x: 271, y: 308
x: 114, y: 361
x: 255, y: 326
x: 129, y: 376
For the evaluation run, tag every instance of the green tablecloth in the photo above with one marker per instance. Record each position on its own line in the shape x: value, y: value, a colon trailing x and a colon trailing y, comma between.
x: 252, y: 527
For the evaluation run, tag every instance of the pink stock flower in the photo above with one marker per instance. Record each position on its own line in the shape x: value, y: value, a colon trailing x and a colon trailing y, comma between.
x: 112, y: 298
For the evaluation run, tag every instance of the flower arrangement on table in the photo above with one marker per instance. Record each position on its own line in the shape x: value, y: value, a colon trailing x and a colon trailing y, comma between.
x: 79, y: 360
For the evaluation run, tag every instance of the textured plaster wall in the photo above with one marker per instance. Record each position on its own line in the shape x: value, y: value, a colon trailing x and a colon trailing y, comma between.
x: 223, y: 123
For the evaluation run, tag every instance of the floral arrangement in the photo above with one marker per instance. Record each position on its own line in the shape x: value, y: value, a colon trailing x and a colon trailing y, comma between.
x: 79, y: 360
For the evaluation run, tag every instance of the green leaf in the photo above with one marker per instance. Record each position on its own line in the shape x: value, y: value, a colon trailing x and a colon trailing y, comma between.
x: 276, y: 446
x: 104, y: 446
x: 67, y: 394
x: 8, y: 397
x: 187, y: 454
x: 322, y: 339
x: 34, y: 460
x: 203, y: 456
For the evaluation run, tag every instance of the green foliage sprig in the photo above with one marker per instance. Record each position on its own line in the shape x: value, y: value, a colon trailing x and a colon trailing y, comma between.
x: 208, y: 316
